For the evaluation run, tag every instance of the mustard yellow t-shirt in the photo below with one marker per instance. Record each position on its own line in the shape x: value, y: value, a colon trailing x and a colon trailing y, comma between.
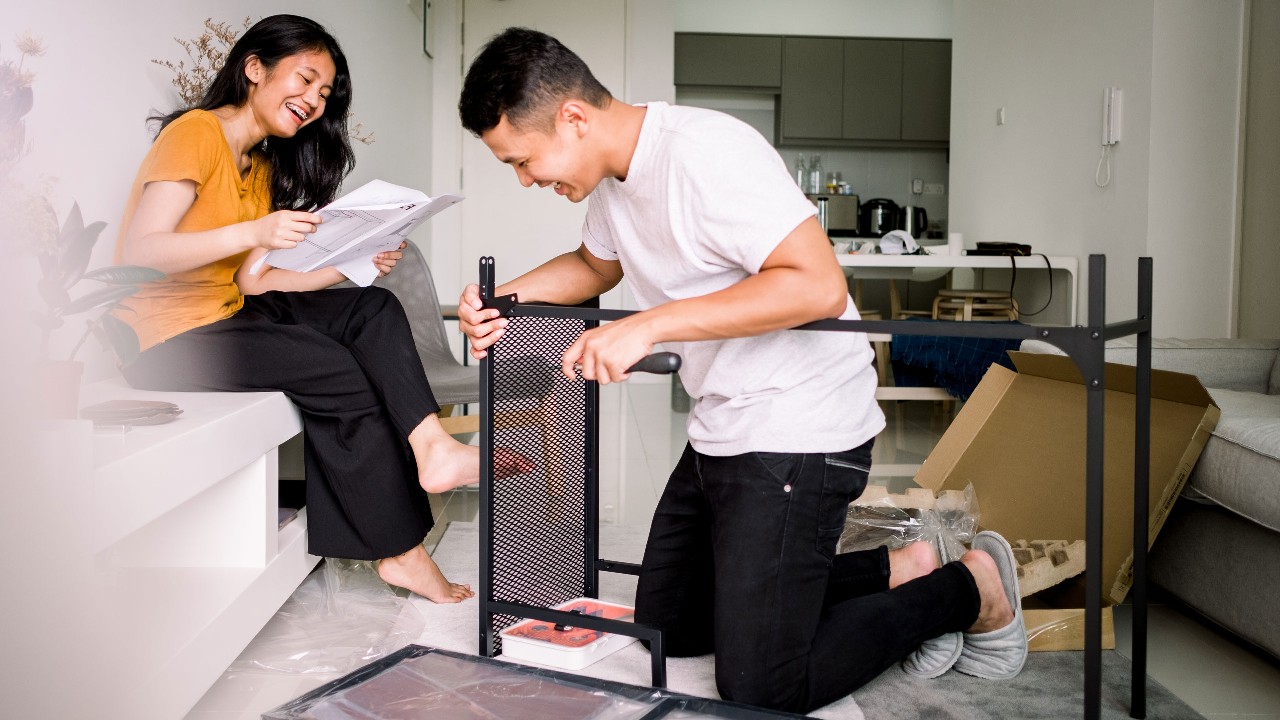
x: 194, y: 148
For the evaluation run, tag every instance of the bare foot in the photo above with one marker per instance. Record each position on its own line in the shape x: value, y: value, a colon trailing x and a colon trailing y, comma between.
x: 509, y: 463
x: 910, y: 562
x: 994, y: 611
x: 445, y: 464
x: 417, y: 572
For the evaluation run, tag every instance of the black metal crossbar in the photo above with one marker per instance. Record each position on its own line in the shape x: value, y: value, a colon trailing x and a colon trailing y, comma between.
x: 540, y: 532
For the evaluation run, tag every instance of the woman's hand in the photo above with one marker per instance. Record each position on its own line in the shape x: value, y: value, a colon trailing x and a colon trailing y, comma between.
x: 283, y: 229
x: 385, y: 261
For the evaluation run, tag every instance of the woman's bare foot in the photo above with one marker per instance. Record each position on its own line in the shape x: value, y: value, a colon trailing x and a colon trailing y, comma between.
x: 994, y: 611
x: 417, y: 572
x: 910, y: 562
x: 445, y: 464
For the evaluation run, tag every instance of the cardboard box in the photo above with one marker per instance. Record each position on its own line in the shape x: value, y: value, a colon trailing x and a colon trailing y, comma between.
x: 1020, y: 440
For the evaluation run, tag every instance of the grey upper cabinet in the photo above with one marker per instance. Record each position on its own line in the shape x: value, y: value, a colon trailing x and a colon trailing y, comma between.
x: 744, y: 61
x: 835, y: 91
x: 873, y: 90
x: 926, y: 90
x: 812, y: 75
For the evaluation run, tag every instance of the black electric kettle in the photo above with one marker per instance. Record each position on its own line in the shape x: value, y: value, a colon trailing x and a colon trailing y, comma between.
x: 879, y: 216
x: 914, y: 220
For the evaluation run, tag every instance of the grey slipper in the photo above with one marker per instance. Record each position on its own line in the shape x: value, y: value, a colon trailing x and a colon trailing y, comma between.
x: 998, y: 654
x: 934, y: 656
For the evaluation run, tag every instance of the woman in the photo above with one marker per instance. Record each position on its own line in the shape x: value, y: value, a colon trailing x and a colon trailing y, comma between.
x: 230, y: 180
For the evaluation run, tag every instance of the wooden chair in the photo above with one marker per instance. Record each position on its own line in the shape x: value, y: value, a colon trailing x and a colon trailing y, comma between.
x: 971, y: 305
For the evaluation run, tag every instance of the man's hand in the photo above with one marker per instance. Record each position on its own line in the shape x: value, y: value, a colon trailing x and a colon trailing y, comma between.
x: 605, y: 353
x: 483, y: 327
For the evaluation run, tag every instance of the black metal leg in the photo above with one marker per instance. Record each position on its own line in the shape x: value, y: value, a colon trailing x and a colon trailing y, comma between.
x: 488, y: 643
x: 1141, y: 495
x: 1093, y: 370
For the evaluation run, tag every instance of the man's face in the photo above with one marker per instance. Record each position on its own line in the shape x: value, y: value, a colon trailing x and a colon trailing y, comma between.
x: 545, y: 159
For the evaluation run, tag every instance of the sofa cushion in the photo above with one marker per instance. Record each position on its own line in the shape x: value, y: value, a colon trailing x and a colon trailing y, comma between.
x: 1240, y: 466
x: 1231, y: 364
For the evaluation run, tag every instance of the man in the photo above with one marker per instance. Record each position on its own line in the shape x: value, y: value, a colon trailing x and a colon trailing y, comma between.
x: 723, y: 253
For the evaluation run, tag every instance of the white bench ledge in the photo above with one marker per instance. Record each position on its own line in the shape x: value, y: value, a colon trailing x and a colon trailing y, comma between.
x: 148, y: 471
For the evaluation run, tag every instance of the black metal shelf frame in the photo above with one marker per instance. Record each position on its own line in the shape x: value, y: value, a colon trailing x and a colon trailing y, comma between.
x: 1084, y: 345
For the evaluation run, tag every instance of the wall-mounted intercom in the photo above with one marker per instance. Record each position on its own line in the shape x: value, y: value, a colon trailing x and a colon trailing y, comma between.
x: 1111, y: 115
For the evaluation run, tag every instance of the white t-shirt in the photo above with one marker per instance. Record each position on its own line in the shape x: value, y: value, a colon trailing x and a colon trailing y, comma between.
x: 705, y: 202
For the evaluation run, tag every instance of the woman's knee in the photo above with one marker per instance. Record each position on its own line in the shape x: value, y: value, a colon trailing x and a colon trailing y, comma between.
x: 378, y: 297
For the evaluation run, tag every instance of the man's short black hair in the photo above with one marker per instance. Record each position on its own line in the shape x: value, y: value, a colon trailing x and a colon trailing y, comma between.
x: 525, y: 74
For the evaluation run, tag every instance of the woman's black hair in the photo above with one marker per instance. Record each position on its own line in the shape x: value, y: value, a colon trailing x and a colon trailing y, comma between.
x: 307, y: 169
x: 524, y: 74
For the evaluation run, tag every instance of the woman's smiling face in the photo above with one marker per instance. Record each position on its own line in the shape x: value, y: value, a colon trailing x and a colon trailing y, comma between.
x: 293, y: 93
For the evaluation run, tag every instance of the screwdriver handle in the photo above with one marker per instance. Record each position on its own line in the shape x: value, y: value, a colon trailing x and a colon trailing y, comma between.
x: 659, y: 363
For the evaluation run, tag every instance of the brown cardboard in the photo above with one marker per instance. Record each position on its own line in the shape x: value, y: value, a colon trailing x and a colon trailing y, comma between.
x: 1020, y: 440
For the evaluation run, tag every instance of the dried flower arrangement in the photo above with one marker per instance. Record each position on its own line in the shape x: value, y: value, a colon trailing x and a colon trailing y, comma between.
x: 26, y: 217
x: 207, y: 53
x: 16, y: 100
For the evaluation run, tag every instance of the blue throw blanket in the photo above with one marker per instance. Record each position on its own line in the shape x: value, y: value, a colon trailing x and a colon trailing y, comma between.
x: 955, y: 364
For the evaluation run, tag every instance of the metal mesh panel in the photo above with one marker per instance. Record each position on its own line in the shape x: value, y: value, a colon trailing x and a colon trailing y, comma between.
x: 538, y: 518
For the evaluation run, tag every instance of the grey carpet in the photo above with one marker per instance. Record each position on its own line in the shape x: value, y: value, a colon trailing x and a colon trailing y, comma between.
x: 1050, y: 686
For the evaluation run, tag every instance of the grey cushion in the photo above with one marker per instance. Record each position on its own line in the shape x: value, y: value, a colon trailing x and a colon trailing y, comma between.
x: 1231, y: 364
x: 1240, y: 466
x: 451, y: 382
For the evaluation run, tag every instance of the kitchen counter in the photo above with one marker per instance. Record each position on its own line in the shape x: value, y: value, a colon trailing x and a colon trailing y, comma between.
x: 923, y: 268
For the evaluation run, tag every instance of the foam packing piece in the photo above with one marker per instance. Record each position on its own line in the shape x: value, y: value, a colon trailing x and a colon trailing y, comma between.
x: 1045, y: 563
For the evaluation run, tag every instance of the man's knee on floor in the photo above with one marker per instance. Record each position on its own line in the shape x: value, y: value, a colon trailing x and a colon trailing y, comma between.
x: 752, y: 682
x: 755, y: 686
x: 692, y: 647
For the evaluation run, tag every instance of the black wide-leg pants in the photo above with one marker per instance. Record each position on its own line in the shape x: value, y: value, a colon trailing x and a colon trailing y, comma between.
x: 346, y: 358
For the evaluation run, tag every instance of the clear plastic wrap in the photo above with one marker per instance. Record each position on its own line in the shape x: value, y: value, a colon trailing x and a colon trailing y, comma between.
x: 423, y: 683
x: 435, y: 686
x: 948, y: 522
x: 341, y: 617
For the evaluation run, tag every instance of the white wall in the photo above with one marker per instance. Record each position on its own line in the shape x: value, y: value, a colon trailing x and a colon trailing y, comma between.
x: 1172, y: 189
x: 509, y: 221
x: 839, y: 18
x: 1260, y: 227
x: 96, y: 85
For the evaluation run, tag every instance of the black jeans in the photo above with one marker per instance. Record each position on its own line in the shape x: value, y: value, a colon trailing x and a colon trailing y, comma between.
x: 741, y: 561
x: 346, y: 358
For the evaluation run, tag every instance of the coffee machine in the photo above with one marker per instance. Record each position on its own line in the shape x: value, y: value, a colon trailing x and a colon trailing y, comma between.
x: 879, y: 216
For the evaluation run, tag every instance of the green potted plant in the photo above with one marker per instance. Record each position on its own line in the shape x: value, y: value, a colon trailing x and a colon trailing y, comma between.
x: 63, y: 265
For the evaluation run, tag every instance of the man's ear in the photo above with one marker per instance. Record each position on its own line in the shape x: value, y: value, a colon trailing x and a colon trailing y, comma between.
x: 575, y: 114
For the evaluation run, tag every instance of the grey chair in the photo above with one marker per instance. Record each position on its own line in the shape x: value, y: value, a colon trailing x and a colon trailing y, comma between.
x: 452, y: 382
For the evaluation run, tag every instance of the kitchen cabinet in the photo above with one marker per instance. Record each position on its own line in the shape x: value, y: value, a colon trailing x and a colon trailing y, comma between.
x: 811, y: 70
x: 872, y: 90
x: 926, y: 90
x: 865, y: 91
x: 738, y: 61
